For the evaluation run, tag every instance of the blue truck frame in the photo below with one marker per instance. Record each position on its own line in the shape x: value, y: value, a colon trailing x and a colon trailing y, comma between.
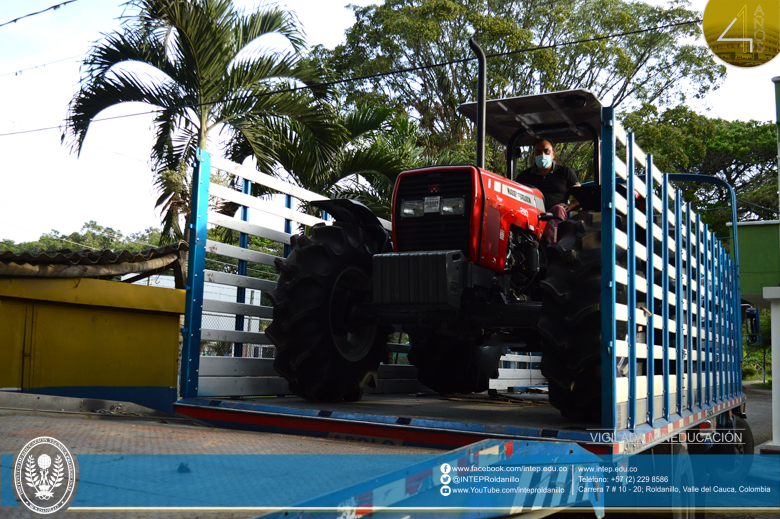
x: 697, y: 301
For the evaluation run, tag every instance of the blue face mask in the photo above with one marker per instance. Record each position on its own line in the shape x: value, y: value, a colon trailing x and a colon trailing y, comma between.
x: 543, y: 161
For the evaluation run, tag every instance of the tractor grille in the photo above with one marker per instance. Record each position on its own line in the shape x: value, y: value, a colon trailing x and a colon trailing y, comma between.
x: 433, y: 231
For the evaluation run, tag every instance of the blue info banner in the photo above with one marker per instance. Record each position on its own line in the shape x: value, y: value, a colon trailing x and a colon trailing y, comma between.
x: 709, y: 481
x: 639, y: 482
x: 496, y: 479
x: 212, y: 481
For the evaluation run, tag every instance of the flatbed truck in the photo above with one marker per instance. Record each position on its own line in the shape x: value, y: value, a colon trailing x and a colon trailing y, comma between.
x: 658, y: 355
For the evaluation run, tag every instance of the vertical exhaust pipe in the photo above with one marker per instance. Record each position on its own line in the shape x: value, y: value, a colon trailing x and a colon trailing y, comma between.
x: 481, y: 83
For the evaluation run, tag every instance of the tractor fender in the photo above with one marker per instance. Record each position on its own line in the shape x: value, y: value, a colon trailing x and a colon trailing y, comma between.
x: 355, y: 213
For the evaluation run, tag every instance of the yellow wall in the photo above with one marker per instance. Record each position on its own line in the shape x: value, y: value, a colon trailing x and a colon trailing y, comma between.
x: 13, y: 328
x: 76, y: 336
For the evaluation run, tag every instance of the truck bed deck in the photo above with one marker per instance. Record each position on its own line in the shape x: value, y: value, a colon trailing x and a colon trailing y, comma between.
x: 420, y: 419
x: 434, y: 421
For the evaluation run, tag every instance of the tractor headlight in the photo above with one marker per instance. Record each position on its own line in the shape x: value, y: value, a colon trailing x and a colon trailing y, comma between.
x: 453, y: 206
x: 411, y: 208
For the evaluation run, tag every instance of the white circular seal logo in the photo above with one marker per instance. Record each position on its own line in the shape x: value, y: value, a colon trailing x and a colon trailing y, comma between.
x: 45, y: 475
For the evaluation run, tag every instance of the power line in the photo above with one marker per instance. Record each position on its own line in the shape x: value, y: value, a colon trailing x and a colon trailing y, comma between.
x: 143, y: 161
x: 775, y: 211
x: 446, y: 63
x: 62, y: 240
x: 759, y: 206
x: 16, y: 73
x: 52, y: 8
x: 74, y: 243
x: 59, y: 127
x: 384, y: 74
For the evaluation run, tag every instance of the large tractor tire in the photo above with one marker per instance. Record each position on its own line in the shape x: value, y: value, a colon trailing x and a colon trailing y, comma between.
x: 684, y: 504
x: 570, y: 324
x: 452, y: 364
x: 322, y: 352
x: 736, y: 466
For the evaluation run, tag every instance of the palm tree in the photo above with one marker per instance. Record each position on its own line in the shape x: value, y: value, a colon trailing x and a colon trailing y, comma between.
x: 370, y: 151
x: 199, y: 64
x: 356, y: 159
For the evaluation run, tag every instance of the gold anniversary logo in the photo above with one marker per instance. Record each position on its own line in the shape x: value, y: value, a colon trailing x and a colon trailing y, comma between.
x: 744, y: 33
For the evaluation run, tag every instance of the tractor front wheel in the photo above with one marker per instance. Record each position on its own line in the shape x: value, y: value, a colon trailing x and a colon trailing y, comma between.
x: 322, y: 348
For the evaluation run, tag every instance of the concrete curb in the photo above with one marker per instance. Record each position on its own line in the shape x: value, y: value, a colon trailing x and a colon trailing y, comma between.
x: 767, y: 448
x: 32, y: 402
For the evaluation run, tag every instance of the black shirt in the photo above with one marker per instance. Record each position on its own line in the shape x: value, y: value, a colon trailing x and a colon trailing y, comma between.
x: 554, y: 185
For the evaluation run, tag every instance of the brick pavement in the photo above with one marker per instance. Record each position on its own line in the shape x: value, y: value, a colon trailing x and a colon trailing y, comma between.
x: 90, y: 433
x: 102, y: 434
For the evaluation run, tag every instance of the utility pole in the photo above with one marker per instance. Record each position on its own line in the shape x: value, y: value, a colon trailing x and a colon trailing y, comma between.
x: 772, y: 294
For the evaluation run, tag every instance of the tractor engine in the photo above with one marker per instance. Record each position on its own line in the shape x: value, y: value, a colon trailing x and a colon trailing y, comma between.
x: 462, y: 276
x: 463, y: 238
x: 463, y: 208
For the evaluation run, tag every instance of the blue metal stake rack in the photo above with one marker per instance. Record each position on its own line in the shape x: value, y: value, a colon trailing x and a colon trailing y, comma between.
x: 668, y: 286
x: 690, y: 290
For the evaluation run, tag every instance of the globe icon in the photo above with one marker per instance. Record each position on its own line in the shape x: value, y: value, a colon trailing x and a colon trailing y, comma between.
x: 44, y: 461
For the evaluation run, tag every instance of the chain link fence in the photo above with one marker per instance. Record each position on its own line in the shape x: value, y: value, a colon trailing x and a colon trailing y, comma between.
x: 216, y: 321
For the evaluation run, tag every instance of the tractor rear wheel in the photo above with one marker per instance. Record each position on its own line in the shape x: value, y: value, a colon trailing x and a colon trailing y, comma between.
x: 570, y: 324
x: 739, y: 451
x: 321, y: 350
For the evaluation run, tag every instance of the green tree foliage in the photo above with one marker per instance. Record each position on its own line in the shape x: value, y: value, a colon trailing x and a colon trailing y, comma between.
x: 744, y: 154
x: 371, y: 150
x: 302, y: 159
x: 91, y: 237
x: 401, y: 142
x: 200, y: 64
x: 399, y: 34
x: 753, y: 362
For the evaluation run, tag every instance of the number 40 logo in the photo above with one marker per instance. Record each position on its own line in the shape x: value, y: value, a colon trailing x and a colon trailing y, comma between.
x: 744, y: 33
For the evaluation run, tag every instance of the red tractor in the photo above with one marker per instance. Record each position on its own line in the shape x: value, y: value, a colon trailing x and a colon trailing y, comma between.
x: 473, y: 266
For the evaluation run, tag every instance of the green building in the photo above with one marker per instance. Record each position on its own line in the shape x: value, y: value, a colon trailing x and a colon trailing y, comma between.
x: 759, y: 259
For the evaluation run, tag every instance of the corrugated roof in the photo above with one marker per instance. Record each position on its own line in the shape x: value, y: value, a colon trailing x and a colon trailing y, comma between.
x: 90, y: 257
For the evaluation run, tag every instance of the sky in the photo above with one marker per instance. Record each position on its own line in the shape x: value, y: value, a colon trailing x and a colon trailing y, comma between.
x: 44, y: 186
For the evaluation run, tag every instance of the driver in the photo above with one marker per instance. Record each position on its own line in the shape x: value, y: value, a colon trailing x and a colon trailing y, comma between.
x: 553, y: 180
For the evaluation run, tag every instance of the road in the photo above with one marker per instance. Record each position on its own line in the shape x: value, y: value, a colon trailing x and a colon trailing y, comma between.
x: 759, y: 412
x: 759, y: 416
x: 109, y: 434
